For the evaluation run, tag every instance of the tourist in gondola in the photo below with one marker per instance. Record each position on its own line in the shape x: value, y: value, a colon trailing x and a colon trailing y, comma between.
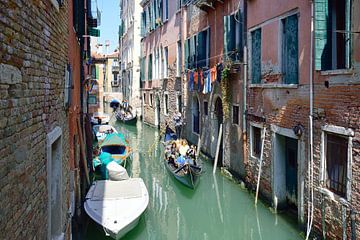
x: 178, y: 124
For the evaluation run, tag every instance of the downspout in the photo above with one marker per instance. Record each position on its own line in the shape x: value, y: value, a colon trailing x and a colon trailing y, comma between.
x: 311, y: 163
x: 245, y: 57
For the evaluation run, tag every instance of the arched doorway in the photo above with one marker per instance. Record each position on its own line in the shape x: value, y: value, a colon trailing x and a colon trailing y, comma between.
x: 157, y: 110
x: 219, y: 117
x: 195, y: 115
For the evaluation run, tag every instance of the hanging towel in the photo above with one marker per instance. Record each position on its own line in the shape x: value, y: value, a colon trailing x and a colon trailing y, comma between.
x: 196, y: 77
x: 213, y: 74
x: 191, y: 80
x: 207, y: 82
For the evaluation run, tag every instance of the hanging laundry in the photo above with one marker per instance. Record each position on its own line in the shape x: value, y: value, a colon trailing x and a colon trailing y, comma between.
x: 196, y: 77
x: 200, y: 80
x: 207, y: 82
x: 191, y: 80
x: 213, y: 74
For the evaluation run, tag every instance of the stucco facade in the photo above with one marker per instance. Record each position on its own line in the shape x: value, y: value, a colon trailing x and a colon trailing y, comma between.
x: 129, y: 42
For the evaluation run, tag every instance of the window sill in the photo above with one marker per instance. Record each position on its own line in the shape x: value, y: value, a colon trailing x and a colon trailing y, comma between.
x: 284, y: 86
x: 349, y: 71
x: 332, y: 196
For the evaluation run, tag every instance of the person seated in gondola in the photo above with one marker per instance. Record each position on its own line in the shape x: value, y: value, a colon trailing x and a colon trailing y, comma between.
x: 172, y: 154
x: 191, y: 153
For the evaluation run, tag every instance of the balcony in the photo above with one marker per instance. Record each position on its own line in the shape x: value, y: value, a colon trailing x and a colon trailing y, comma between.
x: 115, y: 67
x: 206, y: 5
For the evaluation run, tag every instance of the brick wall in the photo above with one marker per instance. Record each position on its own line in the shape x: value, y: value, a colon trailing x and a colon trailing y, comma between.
x: 33, y: 56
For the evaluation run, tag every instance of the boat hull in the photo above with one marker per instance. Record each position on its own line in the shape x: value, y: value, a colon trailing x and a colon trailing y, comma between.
x: 131, y: 121
x: 189, y: 179
x: 121, y: 213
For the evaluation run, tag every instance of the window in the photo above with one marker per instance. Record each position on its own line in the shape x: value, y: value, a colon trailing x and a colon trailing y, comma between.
x: 144, y: 98
x: 166, y: 104
x: 202, y: 49
x: 92, y: 99
x: 150, y: 63
x: 166, y: 55
x: 178, y: 59
x: 255, y: 141
x: 332, y: 34
x: 115, y: 81
x: 165, y: 10
x: 206, y: 108
x: 290, y: 62
x: 179, y: 103
x: 256, y: 56
x: 143, y: 23
x: 235, y: 115
x: 142, y: 69
x: 336, y: 163
x: 233, y: 36
x: 151, y: 99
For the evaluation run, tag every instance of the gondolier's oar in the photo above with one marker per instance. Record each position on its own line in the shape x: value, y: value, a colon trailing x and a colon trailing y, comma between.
x: 181, y: 168
x: 260, y: 164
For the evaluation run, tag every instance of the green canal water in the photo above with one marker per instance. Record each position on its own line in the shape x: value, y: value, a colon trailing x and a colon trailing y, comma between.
x: 217, y: 209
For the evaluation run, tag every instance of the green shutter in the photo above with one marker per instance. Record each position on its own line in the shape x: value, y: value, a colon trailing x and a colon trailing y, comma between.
x: 232, y: 37
x: 240, y: 40
x: 208, y: 47
x: 192, y: 54
x: 142, y: 69
x: 97, y: 72
x: 226, y: 33
x: 186, y: 53
x: 290, y: 50
x: 150, y: 67
x: 256, y: 56
x: 201, y: 49
x: 322, y: 38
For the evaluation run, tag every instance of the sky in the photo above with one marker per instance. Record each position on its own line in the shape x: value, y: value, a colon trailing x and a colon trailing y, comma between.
x: 110, y: 19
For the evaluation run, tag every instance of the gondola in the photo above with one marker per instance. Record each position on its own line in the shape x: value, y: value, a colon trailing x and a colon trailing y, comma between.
x: 188, y: 173
x: 131, y: 119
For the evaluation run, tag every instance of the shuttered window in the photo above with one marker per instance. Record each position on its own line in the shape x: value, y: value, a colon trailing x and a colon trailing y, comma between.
x: 150, y: 63
x: 186, y: 53
x: 256, y: 56
x: 192, y: 51
x: 233, y: 36
x: 202, y: 49
x: 143, y: 24
x: 142, y: 69
x: 332, y: 34
x: 290, y: 62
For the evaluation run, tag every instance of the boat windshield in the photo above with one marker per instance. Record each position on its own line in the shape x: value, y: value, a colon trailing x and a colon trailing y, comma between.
x: 114, y: 149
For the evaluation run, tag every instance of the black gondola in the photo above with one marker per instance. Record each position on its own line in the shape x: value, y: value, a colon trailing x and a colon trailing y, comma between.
x: 131, y: 120
x: 188, y: 173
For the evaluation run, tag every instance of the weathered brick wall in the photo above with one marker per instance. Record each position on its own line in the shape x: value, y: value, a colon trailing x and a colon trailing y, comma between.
x: 33, y: 56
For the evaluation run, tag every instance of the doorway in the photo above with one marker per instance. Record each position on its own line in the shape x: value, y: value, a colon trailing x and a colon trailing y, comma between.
x: 286, y: 171
x: 196, y: 115
x: 219, y: 117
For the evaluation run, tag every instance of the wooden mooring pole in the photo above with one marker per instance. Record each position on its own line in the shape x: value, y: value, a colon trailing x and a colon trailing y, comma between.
x: 218, y: 148
x: 260, y: 164
x: 83, y: 155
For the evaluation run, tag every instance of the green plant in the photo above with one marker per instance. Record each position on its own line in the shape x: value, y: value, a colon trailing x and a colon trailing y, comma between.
x: 225, y: 91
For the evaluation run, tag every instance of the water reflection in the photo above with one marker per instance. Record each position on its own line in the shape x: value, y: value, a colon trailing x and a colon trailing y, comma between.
x: 217, y: 209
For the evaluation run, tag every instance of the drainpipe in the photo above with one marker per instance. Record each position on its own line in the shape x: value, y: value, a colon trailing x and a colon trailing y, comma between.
x: 244, y: 105
x: 310, y: 164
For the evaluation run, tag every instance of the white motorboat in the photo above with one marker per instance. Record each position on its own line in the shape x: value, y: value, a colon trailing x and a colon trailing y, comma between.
x: 101, y: 131
x: 100, y: 118
x: 117, y: 205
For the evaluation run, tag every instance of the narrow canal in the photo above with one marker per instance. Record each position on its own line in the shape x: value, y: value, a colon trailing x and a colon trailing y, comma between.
x: 217, y: 209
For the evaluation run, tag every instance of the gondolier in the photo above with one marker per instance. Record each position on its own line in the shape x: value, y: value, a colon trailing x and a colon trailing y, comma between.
x: 178, y: 124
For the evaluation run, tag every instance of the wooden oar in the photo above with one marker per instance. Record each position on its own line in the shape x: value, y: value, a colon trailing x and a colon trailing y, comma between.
x: 181, y: 168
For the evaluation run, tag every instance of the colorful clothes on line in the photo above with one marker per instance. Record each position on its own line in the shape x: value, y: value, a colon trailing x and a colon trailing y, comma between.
x: 207, y: 82
x: 200, y: 80
x: 213, y: 74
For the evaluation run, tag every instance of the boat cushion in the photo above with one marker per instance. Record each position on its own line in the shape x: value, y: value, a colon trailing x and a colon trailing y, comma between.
x: 116, y: 172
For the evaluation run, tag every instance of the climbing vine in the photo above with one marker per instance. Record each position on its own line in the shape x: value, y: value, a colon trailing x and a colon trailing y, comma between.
x: 225, y: 90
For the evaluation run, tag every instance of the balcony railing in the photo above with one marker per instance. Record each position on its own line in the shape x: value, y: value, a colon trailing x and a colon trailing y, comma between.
x: 205, y: 4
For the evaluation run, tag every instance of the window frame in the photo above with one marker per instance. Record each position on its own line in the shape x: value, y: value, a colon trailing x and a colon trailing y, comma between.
x: 151, y: 98
x: 238, y: 114
x: 252, y: 56
x: 251, y: 144
x: 342, y: 132
x: 93, y: 96
x: 166, y: 103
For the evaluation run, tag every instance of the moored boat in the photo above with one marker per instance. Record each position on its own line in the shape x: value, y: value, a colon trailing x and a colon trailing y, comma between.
x: 117, y: 205
x: 100, y: 118
x: 101, y: 131
x: 116, y: 145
